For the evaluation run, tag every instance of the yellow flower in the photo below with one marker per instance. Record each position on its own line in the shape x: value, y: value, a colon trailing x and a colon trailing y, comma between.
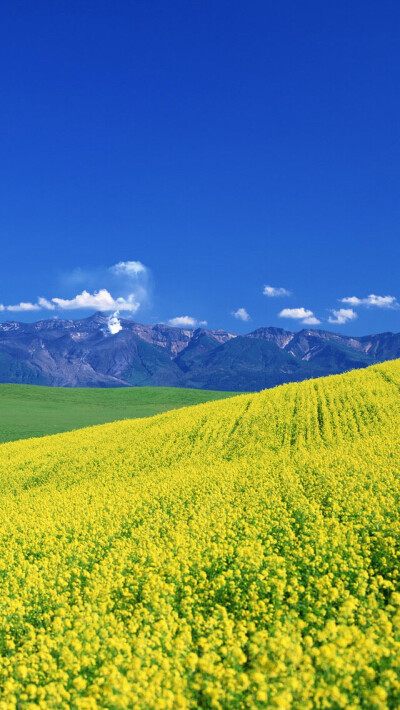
x: 80, y: 683
x: 242, y: 553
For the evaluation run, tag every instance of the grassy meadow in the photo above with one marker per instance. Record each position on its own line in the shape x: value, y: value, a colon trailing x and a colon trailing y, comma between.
x: 237, y: 554
x: 29, y: 410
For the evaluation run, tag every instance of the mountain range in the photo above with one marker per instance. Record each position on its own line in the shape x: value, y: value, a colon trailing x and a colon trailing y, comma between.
x: 103, y: 351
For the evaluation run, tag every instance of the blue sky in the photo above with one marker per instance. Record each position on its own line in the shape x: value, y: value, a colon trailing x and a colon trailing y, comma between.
x: 175, y: 158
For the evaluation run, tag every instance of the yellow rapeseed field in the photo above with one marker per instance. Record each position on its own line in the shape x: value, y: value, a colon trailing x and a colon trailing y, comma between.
x: 237, y: 554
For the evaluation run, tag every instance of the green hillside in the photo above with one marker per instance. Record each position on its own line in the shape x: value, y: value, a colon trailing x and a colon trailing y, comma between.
x: 29, y: 410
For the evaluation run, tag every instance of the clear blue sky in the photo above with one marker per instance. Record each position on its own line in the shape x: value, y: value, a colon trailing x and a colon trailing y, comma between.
x: 224, y: 145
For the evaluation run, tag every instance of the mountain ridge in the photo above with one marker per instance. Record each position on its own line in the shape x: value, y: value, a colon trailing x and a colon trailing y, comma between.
x: 88, y: 352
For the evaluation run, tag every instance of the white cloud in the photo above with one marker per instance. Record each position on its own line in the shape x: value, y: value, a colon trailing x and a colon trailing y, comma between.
x: 101, y: 300
x: 128, y: 268
x: 114, y: 324
x: 372, y: 300
x: 1, y: 307
x: 241, y: 314
x: 342, y: 315
x: 182, y: 321
x: 297, y: 313
x: 44, y: 303
x: 186, y: 322
x: 312, y: 320
x: 131, y: 280
x: 24, y: 307
x: 273, y: 292
x: 303, y: 314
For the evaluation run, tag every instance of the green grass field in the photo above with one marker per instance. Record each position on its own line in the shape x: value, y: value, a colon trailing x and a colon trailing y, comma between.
x: 29, y: 410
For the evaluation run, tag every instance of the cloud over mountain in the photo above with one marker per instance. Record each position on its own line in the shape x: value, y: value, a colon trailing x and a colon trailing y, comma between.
x: 342, y: 315
x: 241, y: 314
x: 99, y: 300
x: 23, y: 306
x: 129, y: 279
x: 186, y: 322
x: 372, y: 300
x: 304, y: 315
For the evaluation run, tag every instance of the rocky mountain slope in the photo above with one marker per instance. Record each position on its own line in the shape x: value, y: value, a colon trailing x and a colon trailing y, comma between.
x: 89, y: 353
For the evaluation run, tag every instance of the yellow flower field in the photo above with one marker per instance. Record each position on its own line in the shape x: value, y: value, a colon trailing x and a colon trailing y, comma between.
x: 237, y: 554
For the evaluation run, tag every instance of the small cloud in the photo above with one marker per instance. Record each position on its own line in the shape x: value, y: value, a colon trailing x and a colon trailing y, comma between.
x: 186, y: 322
x: 342, y: 315
x: 128, y: 268
x: 23, y: 307
x: 372, y: 300
x: 1, y: 307
x: 273, y: 292
x: 44, y: 303
x: 312, y: 320
x: 302, y: 314
x: 114, y: 324
x: 241, y: 314
x: 296, y: 313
